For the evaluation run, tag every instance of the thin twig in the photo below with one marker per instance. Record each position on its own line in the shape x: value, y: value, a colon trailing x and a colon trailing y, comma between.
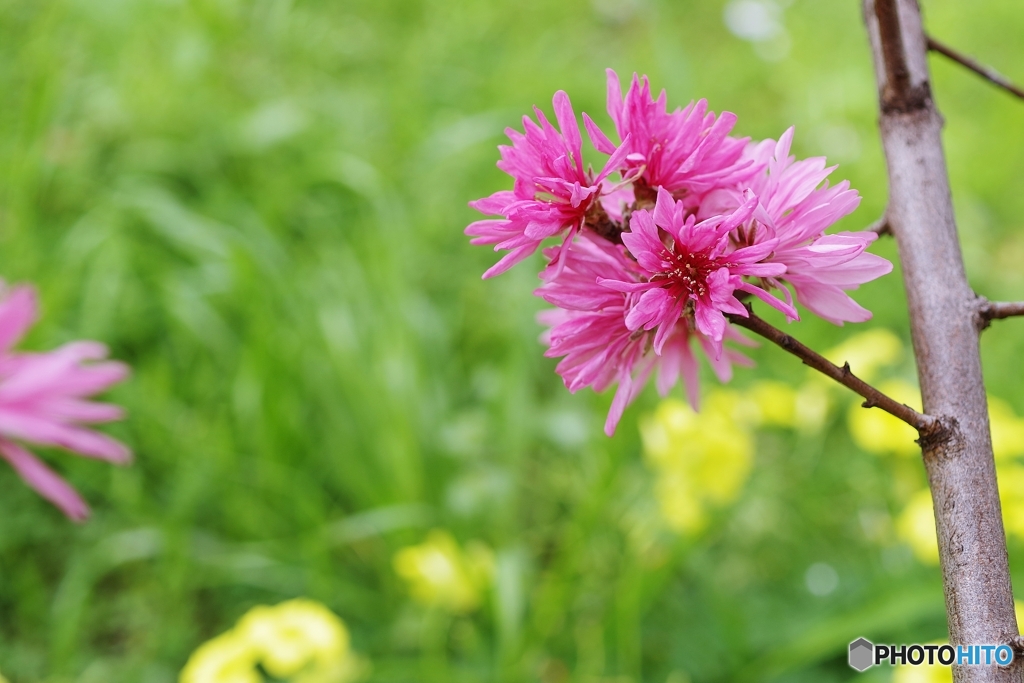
x: 986, y: 72
x: 880, y: 227
x: 997, y: 310
x: 874, y: 398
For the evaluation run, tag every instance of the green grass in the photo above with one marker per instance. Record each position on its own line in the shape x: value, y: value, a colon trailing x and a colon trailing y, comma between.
x: 260, y: 206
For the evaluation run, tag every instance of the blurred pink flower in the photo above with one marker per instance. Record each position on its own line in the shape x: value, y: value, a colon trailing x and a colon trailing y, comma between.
x: 552, y: 191
x: 796, y: 205
x: 686, y: 151
x: 589, y: 329
x: 43, y: 401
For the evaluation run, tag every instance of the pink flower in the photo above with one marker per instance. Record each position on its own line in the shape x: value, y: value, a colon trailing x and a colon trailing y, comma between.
x: 692, y: 271
x: 42, y: 401
x: 796, y: 205
x: 552, y: 192
x: 655, y: 248
x: 684, y: 151
x: 589, y: 329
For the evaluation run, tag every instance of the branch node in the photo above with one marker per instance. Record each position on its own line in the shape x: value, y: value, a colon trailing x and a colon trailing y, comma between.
x: 881, y: 226
x: 986, y: 311
x: 940, y: 432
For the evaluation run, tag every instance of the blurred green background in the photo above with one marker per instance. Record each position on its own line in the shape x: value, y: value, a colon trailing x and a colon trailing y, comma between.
x: 259, y: 206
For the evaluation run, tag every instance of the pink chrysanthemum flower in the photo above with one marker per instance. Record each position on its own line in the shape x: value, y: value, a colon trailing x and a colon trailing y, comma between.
x: 589, y: 329
x: 692, y: 269
x: 685, y: 151
x: 43, y: 401
x: 796, y: 206
x: 552, y: 191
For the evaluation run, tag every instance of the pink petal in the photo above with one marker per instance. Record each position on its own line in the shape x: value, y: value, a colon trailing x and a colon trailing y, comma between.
x: 615, y: 161
x: 17, y: 314
x: 36, y: 429
x: 597, y: 137
x: 829, y: 301
x: 615, y: 101
x: 45, y: 481
x: 570, y: 128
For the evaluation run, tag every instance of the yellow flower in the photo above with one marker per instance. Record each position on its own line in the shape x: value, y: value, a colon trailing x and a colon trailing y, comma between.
x: 916, y: 526
x: 879, y: 432
x: 294, y: 635
x: 227, y: 658
x: 297, y: 640
x: 812, y: 406
x: 681, y: 509
x: 700, y: 461
x: 776, y: 403
x: 1007, y: 429
x: 440, y: 574
x: 1010, y: 475
x: 867, y: 352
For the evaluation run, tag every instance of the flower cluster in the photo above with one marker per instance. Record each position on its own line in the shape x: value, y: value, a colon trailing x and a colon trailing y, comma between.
x: 681, y: 224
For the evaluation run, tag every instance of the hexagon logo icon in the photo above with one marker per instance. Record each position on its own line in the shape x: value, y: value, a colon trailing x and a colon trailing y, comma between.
x: 861, y: 654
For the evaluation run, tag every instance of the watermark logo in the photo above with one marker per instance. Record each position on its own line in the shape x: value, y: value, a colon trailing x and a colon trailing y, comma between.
x: 864, y: 654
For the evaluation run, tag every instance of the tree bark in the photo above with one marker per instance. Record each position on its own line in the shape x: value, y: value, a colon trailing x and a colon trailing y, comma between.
x: 943, y: 309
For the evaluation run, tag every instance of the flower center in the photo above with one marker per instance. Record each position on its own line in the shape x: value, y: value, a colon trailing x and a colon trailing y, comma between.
x: 688, y: 277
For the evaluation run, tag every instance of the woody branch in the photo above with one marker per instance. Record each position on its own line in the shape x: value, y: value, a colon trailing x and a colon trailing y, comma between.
x: 986, y: 72
x: 996, y: 310
x: 943, y: 313
x: 873, y: 398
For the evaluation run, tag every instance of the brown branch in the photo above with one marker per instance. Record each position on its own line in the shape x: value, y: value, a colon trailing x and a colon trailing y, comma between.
x: 598, y: 220
x: 902, y: 91
x: 880, y: 227
x: 997, y: 310
x: 986, y: 72
x: 873, y: 398
x: 961, y: 469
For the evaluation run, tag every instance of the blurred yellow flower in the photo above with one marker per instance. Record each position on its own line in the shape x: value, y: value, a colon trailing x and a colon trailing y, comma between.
x: 866, y: 352
x: 923, y: 673
x: 227, y: 658
x: 877, y: 431
x: 440, y: 574
x: 297, y: 640
x: 812, y: 405
x: 700, y: 461
x: 1010, y: 475
x: 776, y: 403
x: 1007, y: 429
x: 294, y: 635
x: 916, y: 527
